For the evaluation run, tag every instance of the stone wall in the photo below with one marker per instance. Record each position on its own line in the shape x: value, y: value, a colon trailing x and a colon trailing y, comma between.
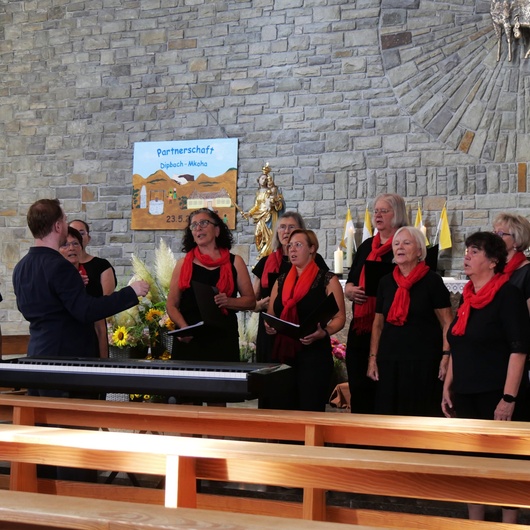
x: 344, y: 99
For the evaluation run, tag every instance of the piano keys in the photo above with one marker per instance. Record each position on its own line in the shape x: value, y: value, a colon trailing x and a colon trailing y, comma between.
x: 271, y: 384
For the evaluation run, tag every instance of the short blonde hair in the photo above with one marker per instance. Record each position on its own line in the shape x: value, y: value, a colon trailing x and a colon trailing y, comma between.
x: 311, y: 238
x: 418, y: 235
x: 518, y: 226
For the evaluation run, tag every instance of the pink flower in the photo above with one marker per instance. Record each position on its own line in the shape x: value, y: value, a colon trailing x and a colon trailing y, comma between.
x: 338, y: 349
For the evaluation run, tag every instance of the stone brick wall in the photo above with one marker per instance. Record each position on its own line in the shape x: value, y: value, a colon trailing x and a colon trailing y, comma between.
x: 344, y: 99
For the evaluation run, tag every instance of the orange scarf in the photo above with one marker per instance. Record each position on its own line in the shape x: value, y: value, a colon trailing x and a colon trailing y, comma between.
x: 294, y: 289
x: 517, y: 260
x: 477, y: 300
x: 272, y: 266
x: 225, y: 284
x: 401, y: 303
x: 364, y: 314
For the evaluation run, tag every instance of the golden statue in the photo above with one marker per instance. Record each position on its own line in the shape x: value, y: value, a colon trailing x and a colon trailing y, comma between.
x: 267, y: 207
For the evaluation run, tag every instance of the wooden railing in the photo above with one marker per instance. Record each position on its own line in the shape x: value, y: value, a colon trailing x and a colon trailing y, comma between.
x: 181, y: 461
x: 13, y: 345
x: 380, y: 472
x: 32, y: 511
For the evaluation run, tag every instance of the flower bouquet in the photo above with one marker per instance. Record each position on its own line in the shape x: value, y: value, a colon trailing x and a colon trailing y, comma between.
x: 338, y: 350
x: 124, y: 334
x: 145, y: 326
x: 248, y: 330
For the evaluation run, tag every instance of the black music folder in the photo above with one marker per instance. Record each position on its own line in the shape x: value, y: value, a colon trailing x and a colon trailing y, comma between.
x: 432, y: 257
x: 211, y: 315
x: 320, y: 315
x: 273, y: 276
x: 373, y: 272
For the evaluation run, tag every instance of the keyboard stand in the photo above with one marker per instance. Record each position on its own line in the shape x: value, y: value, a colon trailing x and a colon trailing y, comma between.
x: 132, y: 478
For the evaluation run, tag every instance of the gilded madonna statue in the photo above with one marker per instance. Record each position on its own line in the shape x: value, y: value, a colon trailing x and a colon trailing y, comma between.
x: 267, y: 207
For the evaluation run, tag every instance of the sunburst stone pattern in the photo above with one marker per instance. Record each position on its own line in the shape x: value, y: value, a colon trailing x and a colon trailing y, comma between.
x: 440, y: 58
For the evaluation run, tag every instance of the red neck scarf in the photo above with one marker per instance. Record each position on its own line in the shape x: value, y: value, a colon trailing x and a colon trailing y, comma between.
x: 272, y: 266
x: 477, y: 300
x: 517, y: 260
x: 294, y: 289
x: 82, y: 269
x: 225, y: 283
x: 364, y: 314
x: 401, y: 304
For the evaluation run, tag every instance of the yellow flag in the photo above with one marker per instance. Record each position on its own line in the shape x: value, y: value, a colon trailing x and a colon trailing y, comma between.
x: 367, y: 227
x: 445, y: 231
x: 418, y: 223
x: 348, y: 227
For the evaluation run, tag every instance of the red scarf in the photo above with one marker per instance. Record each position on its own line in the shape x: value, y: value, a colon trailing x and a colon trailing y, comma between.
x: 272, y: 266
x: 294, y: 289
x: 401, y: 303
x: 225, y: 284
x: 477, y: 300
x: 364, y: 314
x: 82, y: 269
x: 517, y: 260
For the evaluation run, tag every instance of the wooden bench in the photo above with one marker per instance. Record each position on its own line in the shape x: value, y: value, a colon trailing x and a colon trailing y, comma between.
x: 310, y: 428
x: 25, y: 510
x: 404, y: 474
x: 14, y: 345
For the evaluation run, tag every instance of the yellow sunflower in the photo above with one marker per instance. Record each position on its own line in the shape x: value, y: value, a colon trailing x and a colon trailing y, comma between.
x: 120, y: 336
x: 153, y: 314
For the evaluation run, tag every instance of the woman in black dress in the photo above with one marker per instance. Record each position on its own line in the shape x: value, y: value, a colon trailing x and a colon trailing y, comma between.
x: 409, y: 352
x: 207, y: 242
x: 101, y: 279
x: 294, y: 296
x: 389, y: 214
x: 489, y: 341
x: 267, y: 271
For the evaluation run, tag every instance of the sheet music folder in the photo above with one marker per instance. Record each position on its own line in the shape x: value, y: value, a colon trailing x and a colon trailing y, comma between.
x: 273, y: 276
x: 373, y: 272
x: 432, y: 257
x: 210, y: 314
x: 320, y: 315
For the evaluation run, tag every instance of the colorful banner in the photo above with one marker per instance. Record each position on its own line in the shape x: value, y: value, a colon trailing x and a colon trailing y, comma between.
x: 171, y: 179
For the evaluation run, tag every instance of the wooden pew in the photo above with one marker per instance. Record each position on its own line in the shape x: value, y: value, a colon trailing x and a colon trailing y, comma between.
x: 433, y: 434
x: 25, y: 510
x: 183, y: 460
x: 14, y: 345
x: 310, y: 428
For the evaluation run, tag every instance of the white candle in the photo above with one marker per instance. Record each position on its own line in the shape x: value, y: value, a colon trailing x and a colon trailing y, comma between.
x: 338, y: 257
x: 349, y: 248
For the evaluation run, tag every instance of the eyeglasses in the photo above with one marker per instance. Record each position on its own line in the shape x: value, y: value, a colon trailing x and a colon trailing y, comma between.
x: 203, y: 223
x: 502, y: 234
x: 73, y: 244
x: 287, y: 227
x: 382, y: 211
x: 296, y: 244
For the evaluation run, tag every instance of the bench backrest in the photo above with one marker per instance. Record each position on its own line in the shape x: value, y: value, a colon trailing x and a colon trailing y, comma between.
x: 312, y: 428
x: 79, y: 514
x: 14, y: 345
x: 183, y: 459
